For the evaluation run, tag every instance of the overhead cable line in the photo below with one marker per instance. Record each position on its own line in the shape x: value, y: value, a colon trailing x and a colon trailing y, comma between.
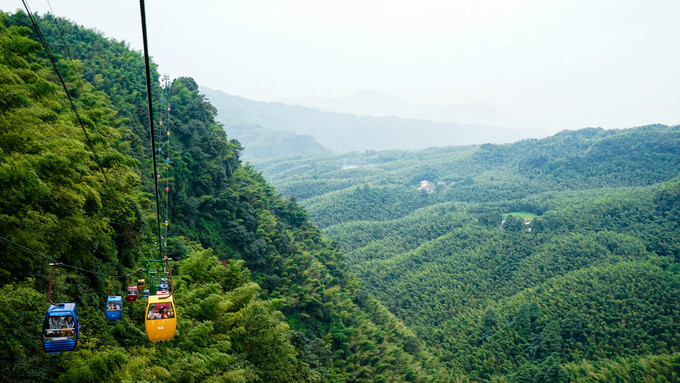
x: 62, y: 263
x: 45, y: 45
x: 72, y: 61
x: 63, y: 83
x: 68, y: 51
x: 151, y: 123
x: 166, y: 96
x: 156, y: 175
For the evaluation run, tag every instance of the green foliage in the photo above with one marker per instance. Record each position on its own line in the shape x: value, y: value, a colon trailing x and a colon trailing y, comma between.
x: 95, y: 366
x: 201, y: 266
x: 260, y: 294
x: 54, y: 190
x: 499, y: 274
x: 587, y: 289
x: 652, y: 368
x: 20, y: 319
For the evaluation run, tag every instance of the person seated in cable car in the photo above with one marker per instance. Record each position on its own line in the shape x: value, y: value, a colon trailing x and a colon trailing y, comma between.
x: 69, y: 327
x: 160, y: 311
x: 167, y: 311
x: 152, y: 313
x: 60, y: 328
x: 54, y: 326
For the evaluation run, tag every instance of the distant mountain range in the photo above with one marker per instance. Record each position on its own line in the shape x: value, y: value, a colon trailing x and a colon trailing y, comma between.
x: 370, y: 103
x: 271, y: 129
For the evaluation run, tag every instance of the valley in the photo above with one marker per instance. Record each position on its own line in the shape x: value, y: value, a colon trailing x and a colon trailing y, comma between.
x: 566, y: 233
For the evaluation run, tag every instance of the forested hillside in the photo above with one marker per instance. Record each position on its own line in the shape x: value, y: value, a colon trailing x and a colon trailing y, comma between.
x: 261, y: 296
x: 352, y: 186
x: 547, y: 260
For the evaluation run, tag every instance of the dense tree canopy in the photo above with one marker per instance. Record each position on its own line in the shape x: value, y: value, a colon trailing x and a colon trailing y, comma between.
x: 260, y: 294
x: 539, y: 261
x: 547, y: 260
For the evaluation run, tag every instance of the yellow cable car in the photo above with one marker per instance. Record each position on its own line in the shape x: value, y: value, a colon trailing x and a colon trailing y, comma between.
x: 161, y: 318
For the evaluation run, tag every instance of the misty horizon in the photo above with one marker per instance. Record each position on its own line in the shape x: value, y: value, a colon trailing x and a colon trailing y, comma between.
x: 550, y: 65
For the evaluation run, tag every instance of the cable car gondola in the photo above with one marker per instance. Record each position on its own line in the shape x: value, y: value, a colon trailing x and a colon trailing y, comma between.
x: 161, y: 319
x: 61, y: 328
x: 114, y: 307
x: 145, y: 293
x: 131, y: 293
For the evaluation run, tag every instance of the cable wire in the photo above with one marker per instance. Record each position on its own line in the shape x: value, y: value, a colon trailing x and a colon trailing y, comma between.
x: 70, y: 57
x: 62, y: 263
x: 151, y: 123
x: 68, y: 51
x: 43, y: 41
x: 166, y: 90
x: 63, y: 83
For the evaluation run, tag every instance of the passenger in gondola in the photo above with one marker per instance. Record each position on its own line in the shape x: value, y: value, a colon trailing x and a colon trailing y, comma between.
x: 54, y: 328
x: 164, y: 313
x: 70, y: 327
x: 61, y: 326
x: 153, y: 313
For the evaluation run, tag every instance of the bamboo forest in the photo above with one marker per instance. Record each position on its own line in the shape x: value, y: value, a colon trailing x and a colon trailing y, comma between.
x: 138, y: 255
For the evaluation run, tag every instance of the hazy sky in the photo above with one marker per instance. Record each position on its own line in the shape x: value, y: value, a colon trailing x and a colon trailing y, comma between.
x: 558, y: 64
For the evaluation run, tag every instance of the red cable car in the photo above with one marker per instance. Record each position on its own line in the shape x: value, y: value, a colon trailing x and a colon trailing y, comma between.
x: 132, y: 293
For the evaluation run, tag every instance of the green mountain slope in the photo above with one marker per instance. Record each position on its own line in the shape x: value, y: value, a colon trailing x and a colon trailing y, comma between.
x: 586, y: 286
x: 586, y: 290
x: 580, y: 160
x: 263, y: 143
x: 261, y: 295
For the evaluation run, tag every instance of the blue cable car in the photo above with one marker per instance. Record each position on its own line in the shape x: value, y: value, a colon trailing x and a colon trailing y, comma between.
x: 114, y: 307
x: 61, y: 328
x: 145, y: 293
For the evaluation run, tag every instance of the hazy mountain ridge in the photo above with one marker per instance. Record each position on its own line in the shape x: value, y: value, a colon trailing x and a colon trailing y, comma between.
x: 346, y: 132
x: 371, y: 103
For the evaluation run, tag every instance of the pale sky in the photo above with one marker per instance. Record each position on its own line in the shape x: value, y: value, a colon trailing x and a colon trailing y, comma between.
x: 555, y: 64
